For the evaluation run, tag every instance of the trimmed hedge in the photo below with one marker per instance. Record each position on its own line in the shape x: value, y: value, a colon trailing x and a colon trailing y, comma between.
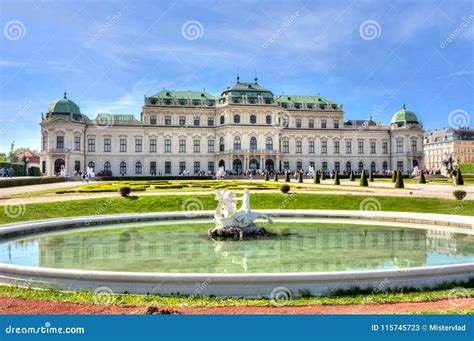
x: 459, y: 194
x: 163, y: 177
x: 285, y: 188
x: 30, y: 181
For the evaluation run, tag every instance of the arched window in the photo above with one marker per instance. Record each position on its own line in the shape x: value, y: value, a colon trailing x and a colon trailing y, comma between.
x: 236, y: 143
x: 253, y: 143
x: 269, y: 144
x: 221, y: 144
x: 123, y: 168
x: 236, y: 118
x: 361, y: 166
x: 107, y: 166
x: 253, y: 119
x: 348, y: 167
x: 268, y: 119
x: 222, y: 119
x: 138, y: 167
x: 372, y: 167
x: 91, y: 165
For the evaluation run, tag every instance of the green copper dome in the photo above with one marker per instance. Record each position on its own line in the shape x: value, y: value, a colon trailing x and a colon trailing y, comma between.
x: 64, y: 106
x: 404, y: 116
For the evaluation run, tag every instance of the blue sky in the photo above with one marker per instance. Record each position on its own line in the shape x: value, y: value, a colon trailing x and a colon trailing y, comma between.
x: 372, y: 56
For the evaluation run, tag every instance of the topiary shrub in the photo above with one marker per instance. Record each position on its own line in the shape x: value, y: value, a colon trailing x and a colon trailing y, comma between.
x: 266, y: 177
x: 394, y: 176
x: 125, y: 191
x: 371, y: 177
x: 336, y: 179
x: 363, y: 179
x: 300, y: 177
x: 422, y: 178
x: 275, y: 178
x: 284, y: 188
x: 287, y: 176
x: 399, y: 182
x: 316, y: 178
x: 323, y: 175
x: 459, y: 179
x: 351, y: 176
x: 459, y: 194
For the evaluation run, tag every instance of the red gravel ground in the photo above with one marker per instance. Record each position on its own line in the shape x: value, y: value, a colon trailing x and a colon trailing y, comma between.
x: 22, y: 306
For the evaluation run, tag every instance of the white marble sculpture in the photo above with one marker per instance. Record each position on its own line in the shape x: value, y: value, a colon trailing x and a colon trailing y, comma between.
x: 220, y: 173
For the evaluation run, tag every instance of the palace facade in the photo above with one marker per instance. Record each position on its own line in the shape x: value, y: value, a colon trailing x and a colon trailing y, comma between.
x: 246, y: 127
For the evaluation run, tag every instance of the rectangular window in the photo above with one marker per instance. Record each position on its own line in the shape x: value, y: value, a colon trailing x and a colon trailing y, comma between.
x: 311, y: 124
x: 311, y: 147
x: 372, y: 147
x: 43, y: 167
x: 123, y: 145
x: 399, y: 146
x: 182, y: 121
x: 153, y: 120
x: 298, y: 123
x: 182, y: 166
x: 299, y: 165
x: 286, y: 146
x: 167, y: 146
x: 400, y: 166
x: 324, y: 124
x: 167, y: 120
x: 153, y: 146
x: 197, y: 146
x: 138, y: 145
x: 210, y: 167
x: 197, y: 121
x: 336, y: 124
x: 77, y: 166
x: 286, y: 165
x: 210, y: 121
x: 360, y: 147
x: 77, y: 143
x: 91, y: 145
x: 413, y: 145
x: 324, y: 147
x: 311, y: 164
x: 337, y: 166
x: 107, y: 145
x: 348, y: 147
x: 182, y: 146
x: 45, y: 142
x: 197, y: 167
x: 153, y: 168
x: 299, y: 148
x: 384, y: 147
x: 210, y: 146
x: 325, y: 166
x: 168, y: 165
x: 336, y: 147
x: 59, y: 142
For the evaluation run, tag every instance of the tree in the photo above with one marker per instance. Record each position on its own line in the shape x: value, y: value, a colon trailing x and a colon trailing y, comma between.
x: 336, y: 179
x: 266, y: 176
x: 300, y: 177
x: 363, y: 179
x: 351, y: 176
x: 287, y: 176
x: 323, y: 175
x: 316, y: 178
x: 422, y: 178
x: 371, y: 177
x: 459, y: 179
x: 275, y: 178
x: 399, y: 182
x: 394, y: 176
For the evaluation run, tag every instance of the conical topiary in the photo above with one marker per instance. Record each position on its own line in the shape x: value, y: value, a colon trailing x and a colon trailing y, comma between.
x: 316, y: 178
x: 336, y: 179
x: 371, y: 177
x: 394, y: 176
x: 351, y: 176
x: 422, y: 178
x: 287, y: 176
x: 275, y: 178
x: 363, y: 179
x: 323, y: 175
x: 399, y: 183
x: 459, y: 179
x: 267, y: 178
x: 300, y: 177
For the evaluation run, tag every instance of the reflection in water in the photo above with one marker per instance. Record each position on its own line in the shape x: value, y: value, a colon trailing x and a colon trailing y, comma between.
x: 299, y: 247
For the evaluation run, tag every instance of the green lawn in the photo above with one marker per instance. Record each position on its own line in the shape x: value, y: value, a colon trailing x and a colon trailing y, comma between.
x: 163, y: 203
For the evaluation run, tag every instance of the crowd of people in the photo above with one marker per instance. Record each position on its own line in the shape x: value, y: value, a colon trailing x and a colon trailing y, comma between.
x: 7, y: 172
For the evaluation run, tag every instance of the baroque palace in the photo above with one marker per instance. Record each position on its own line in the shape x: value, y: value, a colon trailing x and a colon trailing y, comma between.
x: 246, y: 128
